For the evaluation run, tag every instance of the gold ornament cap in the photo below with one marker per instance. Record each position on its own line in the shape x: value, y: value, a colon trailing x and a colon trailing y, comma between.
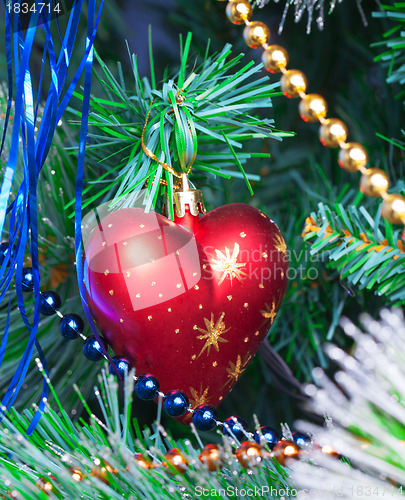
x: 185, y: 196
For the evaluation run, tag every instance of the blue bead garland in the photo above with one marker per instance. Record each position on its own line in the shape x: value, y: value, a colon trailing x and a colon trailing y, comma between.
x: 50, y: 302
x: 302, y: 439
x: 205, y: 417
x: 270, y: 435
x: 92, y: 349
x: 121, y: 366
x: 4, y: 253
x: 71, y: 326
x: 235, y: 427
x: 147, y: 387
x: 176, y: 403
x: 27, y: 279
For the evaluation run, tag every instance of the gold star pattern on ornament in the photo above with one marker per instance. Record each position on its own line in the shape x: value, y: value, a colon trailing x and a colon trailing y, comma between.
x: 199, y: 397
x: 227, y: 264
x: 269, y: 313
x: 279, y: 243
x: 213, y: 333
x: 236, y: 369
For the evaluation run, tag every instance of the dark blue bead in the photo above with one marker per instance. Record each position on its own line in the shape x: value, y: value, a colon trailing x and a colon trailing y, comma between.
x: 147, y: 387
x: 236, y: 426
x: 4, y: 251
x: 175, y: 403
x: 92, y: 349
x: 205, y: 417
x: 27, y: 279
x: 122, y: 366
x: 49, y: 303
x: 270, y: 435
x: 71, y: 325
x: 301, y: 438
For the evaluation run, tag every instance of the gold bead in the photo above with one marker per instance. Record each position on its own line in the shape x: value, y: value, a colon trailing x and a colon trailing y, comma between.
x: 239, y: 11
x: 176, y: 460
x: 100, y: 473
x: 312, y: 108
x: 275, y: 58
x: 333, y: 132
x: 142, y: 461
x: 353, y: 157
x: 45, y: 485
x: 256, y: 34
x: 249, y: 453
x: 374, y: 182
x: 77, y: 474
x: 293, y: 82
x: 286, y: 450
x: 393, y: 209
x: 211, y: 456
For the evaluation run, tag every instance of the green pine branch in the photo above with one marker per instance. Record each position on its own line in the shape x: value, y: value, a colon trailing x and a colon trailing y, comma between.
x: 202, y: 116
x: 366, y: 256
x: 66, y: 459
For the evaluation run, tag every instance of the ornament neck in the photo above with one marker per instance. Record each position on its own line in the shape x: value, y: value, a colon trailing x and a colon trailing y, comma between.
x: 188, y: 204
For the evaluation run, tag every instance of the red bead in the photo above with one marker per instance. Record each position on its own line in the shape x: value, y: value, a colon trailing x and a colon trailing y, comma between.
x: 191, y: 309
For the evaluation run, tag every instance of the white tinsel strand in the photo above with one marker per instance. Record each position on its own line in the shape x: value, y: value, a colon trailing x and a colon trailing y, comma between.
x: 368, y: 400
x: 311, y: 7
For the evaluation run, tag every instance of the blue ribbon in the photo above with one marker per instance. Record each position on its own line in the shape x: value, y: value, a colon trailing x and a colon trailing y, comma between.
x: 21, y: 214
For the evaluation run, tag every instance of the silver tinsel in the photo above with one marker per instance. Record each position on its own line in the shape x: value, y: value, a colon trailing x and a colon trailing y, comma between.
x: 366, y: 413
x: 314, y: 8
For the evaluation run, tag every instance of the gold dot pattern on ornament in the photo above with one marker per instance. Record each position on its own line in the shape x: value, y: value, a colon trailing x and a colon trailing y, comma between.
x: 246, y: 339
x: 264, y: 255
x: 193, y: 357
x: 121, y: 320
x: 256, y: 333
x: 229, y: 297
x: 200, y: 306
x: 195, y: 327
x: 236, y: 369
x: 125, y: 243
x: 128, y: 274
x: 141, y: 226
x: 220, y: 398
x: 176, y: 330
x: 204, y: 266
x: 160, y: 295
x: 269, y: 313
x: 228, y: 265
x: 178, y: 285
x: 215, y: 364
x: 246, y: 305
x: 106, y: 272
x: 109, y: 225
x: 195, y: 274
x: 111, y: 292
x: 169, y: 310
x: 212, y: 333
x: 279, y: 243
x: 138, y: 295
x: 160, y: 237
x: 261, y: 285
x: 150, y: 318
x: 196, y: 287
x: 242, y: 234
x: 153, y: 283
x: 104, y: 243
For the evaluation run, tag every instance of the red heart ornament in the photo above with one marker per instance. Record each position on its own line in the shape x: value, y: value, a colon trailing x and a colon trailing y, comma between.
x: 191, y: 309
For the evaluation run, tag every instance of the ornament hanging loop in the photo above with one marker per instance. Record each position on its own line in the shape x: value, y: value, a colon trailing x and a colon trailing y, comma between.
x: 186, y: 197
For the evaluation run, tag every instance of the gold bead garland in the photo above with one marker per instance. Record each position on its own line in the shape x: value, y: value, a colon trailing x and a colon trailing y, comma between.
x: 313, y: 108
